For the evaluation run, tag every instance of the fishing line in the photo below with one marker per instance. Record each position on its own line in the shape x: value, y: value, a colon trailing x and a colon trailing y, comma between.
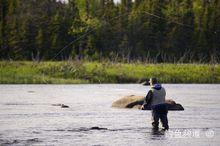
x: 82, y: 36
x: 182, y: 24
x: 126, y: 13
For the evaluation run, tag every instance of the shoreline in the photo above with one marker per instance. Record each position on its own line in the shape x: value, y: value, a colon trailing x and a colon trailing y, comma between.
x: 84, y: 72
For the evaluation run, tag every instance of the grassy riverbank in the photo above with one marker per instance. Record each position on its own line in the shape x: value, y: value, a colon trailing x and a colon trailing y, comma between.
x: 106, y: 72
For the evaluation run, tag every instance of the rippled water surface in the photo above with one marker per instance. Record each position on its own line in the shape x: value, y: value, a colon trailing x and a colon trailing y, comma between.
x: 27, y: 116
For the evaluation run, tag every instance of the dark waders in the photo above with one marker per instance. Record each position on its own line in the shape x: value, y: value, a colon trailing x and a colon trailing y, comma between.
x: 160, y: 112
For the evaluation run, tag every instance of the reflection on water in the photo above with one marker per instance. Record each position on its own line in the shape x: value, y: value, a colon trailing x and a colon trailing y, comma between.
x: 28, y: 116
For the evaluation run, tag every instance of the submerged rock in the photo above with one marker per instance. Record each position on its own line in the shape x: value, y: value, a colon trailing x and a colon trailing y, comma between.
x: 64, y: 106
x: 133, y: 101
x: 61, y: 105
x: 98, y: 128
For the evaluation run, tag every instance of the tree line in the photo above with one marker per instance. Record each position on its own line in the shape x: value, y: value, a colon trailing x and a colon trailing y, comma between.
x: 144, y: 30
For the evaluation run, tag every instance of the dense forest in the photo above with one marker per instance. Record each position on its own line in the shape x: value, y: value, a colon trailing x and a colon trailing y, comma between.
x: 144, y: 30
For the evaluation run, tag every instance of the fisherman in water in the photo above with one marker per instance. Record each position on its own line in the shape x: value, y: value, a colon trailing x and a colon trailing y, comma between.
x: 156, y: 98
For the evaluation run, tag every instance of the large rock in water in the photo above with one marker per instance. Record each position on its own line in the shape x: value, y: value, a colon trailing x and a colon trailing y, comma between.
x: 133, y: 101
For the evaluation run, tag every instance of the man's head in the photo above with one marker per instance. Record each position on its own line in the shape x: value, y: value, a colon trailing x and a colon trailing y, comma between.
x: 153, y: 81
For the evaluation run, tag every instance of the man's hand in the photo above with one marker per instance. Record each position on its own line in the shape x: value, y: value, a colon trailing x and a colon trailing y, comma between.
x: 142, y: 107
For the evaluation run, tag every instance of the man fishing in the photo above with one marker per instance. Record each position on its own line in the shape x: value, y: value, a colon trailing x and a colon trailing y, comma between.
x: 156, y: 98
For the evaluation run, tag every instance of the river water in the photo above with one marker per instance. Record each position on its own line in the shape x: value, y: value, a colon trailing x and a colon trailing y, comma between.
x: 27, y: 116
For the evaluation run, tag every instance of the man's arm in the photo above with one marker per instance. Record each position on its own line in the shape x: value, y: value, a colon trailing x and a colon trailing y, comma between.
x: 147, y: 99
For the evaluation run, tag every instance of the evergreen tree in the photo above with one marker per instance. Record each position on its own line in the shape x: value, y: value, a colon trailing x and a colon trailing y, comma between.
x: 153, y: 30
x: 13, y: 30
x: 3, y: 14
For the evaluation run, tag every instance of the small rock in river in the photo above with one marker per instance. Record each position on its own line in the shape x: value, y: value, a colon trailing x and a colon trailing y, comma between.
x: 98, y: 128
x: 64, y: 106
x: 61, y: 105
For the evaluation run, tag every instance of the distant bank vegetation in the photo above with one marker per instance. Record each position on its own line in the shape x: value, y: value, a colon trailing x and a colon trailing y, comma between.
x: 105, y: 72
x: 145, y: 30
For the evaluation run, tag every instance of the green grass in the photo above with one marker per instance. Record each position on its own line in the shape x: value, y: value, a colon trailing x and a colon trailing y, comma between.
x: 20, y: 72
